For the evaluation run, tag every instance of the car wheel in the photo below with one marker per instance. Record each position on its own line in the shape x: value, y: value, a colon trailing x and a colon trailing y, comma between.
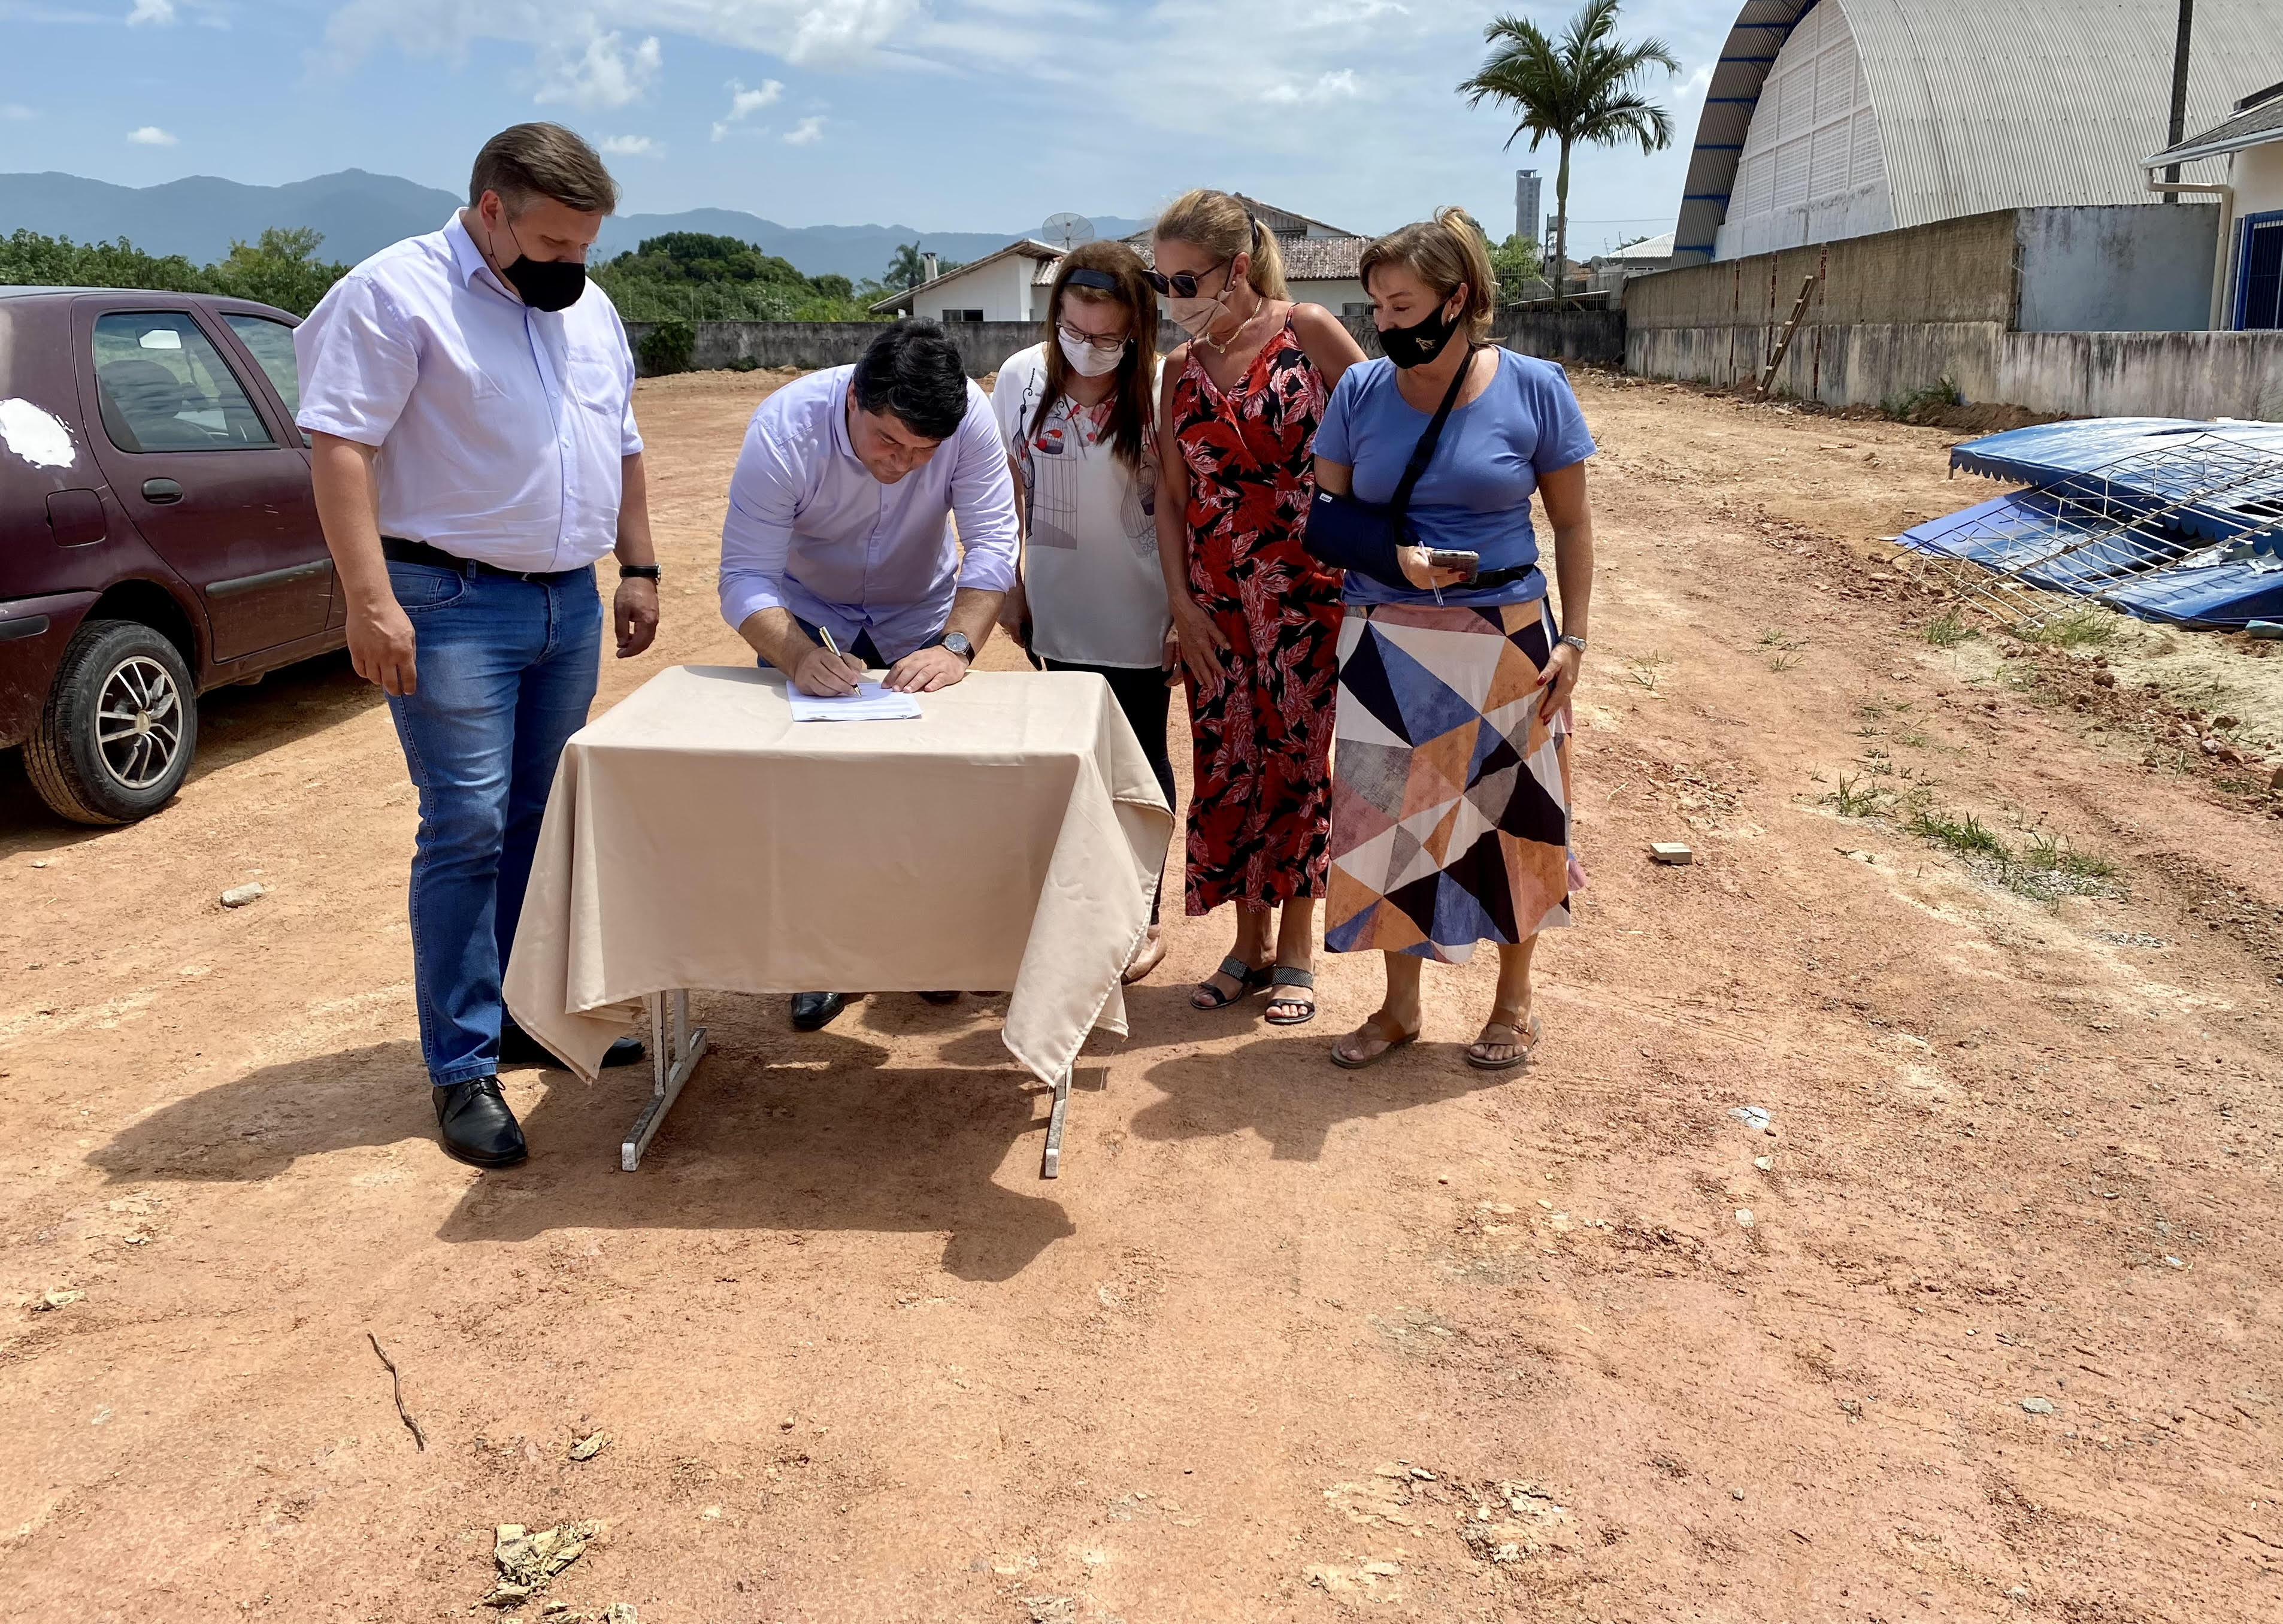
x: 119, y: 728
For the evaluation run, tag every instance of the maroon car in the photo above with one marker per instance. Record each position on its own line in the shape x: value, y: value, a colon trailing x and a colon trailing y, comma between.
x: 158, y: 535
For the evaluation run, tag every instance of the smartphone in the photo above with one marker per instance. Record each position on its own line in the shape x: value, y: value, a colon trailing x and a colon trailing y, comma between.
x: 1448, y: 558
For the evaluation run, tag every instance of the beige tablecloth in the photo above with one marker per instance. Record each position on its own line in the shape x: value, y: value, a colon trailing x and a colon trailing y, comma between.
x: 698, y: 836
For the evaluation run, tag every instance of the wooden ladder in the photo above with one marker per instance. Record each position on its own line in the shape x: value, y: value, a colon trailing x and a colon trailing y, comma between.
x: 1783, y: 344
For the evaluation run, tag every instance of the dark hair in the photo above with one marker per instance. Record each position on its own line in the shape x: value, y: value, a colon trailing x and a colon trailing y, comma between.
x: 915, y: 372
x: 542, y: 160
x: 1135, y: 405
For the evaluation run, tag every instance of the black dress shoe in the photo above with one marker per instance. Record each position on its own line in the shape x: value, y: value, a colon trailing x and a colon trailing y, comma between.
x: 478, y: 1127
x: 518, y: 1047
x: 814, y: 1011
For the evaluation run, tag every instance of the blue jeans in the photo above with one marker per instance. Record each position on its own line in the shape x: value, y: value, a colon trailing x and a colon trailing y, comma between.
x: 506, y: 670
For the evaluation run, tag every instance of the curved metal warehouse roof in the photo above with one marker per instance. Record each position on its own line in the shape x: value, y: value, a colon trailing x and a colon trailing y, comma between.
x: 1985, y: 105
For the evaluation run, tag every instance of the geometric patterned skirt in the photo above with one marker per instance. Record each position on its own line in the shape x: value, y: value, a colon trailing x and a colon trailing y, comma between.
x: 1450, y: 794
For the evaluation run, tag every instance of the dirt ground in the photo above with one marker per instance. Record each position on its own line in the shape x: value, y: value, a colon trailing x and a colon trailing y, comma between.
x: 1985, y: 1327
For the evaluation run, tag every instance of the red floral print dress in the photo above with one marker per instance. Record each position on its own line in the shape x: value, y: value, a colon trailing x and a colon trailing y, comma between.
x: 1260, y: 801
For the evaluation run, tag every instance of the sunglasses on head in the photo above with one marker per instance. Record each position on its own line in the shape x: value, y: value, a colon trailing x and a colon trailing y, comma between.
x: 1182, y: 284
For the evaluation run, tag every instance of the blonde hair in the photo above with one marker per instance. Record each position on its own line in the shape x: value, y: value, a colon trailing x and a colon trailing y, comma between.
x: 1224, y: 228
x: 1443, y: 252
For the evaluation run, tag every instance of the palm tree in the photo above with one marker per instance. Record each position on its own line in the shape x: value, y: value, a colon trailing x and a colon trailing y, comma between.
x: 1578, y: 89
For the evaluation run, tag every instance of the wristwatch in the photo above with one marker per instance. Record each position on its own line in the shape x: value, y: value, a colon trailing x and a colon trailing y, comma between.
x: 956, y: 641
x: 640, y: 572
x: 1578, y: 643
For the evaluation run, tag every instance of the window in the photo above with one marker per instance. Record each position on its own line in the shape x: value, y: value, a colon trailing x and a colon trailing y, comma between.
x: 1351, y: 311
x: 962, y: 315
x: 2259, y: 283
x: 272, y: 343
x: 163, y: 386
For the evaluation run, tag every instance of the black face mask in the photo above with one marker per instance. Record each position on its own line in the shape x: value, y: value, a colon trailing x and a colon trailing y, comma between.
x: 1421, y: 342
x: 544, y: 285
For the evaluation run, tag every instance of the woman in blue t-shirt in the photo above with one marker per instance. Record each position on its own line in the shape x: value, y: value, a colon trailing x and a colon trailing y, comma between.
x: 1450, y: 771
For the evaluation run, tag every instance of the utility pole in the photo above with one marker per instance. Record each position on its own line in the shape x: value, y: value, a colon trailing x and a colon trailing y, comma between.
x: 2179, y: 127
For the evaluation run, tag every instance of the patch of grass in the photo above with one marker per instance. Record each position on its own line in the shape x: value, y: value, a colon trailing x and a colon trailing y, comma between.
x: 1942, y: 391
x: 1785, y: 649
x: 1949, y: 629
x: 1646, y: 671
x: 2045, y: 867
x: 2083, y: 628
x: 1913, y: 737
x: 1852, y: 800
x: 1969, y: 836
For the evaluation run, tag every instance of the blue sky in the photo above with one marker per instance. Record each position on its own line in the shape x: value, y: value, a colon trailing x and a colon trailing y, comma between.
x: 943, y: 114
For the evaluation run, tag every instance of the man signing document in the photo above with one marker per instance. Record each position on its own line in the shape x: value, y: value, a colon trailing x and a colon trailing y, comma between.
x: 838, y: 521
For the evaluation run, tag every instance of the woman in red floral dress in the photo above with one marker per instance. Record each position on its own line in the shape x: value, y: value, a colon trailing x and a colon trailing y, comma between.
x: 1259, y: 619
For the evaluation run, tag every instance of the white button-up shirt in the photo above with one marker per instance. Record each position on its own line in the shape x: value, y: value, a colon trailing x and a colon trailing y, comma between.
x: 809, y: 529
x: 500, y: 427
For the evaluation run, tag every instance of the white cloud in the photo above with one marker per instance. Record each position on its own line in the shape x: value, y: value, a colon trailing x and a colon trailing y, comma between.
x: 632, y: 146
x: 606, y: 74
x: 16, y: 110
x: 808, y: 132
x: 1340, y: 84
x: 151, y: 134
x: 824, y: 32
x: 151, y: 10
x: 743, y: 104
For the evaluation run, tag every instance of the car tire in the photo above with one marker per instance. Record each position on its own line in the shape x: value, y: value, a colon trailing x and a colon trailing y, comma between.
x: 90, y: 763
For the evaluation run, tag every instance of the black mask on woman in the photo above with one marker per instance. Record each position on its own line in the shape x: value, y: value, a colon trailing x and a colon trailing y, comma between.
x: 543, y: 284
x: 1421, y: 342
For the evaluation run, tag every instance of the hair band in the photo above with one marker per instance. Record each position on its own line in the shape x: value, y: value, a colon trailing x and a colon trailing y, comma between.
x: 1087, y: 276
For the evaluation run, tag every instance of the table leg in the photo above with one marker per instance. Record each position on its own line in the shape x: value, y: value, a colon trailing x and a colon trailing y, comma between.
x: 675, y: 1048
x: 1052, y: 1167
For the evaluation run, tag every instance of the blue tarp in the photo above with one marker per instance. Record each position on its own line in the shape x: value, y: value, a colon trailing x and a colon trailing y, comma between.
x: 2134, y: 512
x: 2158, y: 461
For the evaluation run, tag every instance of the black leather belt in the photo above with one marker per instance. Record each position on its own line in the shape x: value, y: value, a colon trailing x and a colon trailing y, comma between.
x: 397, y: 550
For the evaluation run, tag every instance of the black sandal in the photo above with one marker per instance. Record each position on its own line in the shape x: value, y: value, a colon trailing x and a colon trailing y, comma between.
x: 1285, y: 976
x: 1249, y: 981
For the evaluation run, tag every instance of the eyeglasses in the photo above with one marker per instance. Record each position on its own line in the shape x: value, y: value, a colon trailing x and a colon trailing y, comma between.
x: 1093, y: 341
x: 1182, y: 284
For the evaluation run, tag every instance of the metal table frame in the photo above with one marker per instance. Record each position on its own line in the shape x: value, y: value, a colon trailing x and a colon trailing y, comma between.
x: 675, y: 1048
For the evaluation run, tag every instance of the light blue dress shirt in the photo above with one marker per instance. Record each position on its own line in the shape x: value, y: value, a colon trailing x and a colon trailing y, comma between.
x: 500, y: 428
x: 810, y: 530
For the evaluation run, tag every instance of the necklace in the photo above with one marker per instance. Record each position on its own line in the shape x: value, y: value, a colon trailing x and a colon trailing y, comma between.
x: 1206, y: 337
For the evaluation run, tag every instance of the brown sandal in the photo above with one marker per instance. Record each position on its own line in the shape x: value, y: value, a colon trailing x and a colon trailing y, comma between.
x: 1524, y: 1048
x: 1381, y: 1025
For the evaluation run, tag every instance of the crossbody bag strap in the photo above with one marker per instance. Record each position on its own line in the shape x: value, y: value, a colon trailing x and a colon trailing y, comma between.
x: 1423, y: 452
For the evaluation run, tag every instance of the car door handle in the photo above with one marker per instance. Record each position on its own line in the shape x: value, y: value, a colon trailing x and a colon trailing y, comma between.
x: 162, y: 490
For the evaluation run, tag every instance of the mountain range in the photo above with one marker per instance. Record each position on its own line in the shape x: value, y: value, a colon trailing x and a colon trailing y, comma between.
x: 359, y: 213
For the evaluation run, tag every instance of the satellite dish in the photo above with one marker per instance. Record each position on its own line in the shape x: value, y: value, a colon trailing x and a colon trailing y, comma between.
x: 1066, y: 231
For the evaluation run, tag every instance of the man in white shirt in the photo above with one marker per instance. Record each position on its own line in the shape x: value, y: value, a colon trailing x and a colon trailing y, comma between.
x: 469, y: 396
x: 839, y: 526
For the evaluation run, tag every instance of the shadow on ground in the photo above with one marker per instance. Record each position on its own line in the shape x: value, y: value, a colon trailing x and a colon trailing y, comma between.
x: 774, y: 1131
x: 235, y: 724
x: 1258, y: 1087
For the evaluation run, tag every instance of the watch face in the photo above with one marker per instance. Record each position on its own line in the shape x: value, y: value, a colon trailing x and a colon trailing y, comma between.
x: 956, y: 641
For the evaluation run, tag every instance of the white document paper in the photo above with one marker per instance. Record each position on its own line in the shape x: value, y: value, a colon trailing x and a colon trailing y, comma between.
x: 870, y: 703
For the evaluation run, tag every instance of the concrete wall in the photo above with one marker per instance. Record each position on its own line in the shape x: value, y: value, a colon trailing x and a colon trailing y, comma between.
x: 2120, y: 268
x: 1953, y: 270
x: 2077, y: 375
x: 1575, y: 338
x: 1590, y: 337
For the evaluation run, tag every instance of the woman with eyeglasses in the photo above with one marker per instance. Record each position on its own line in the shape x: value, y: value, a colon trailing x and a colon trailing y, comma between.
x: 1450, y: 821
x: 1078, y: 416
x: 1258, y: 619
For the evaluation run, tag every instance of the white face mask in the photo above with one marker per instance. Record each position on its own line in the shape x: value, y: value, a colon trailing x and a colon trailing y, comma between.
x: 1087, y: 361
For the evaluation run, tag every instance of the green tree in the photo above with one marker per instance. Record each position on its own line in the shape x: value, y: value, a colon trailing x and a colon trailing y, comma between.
x: 1516, y: 261
x: 280, y: 267
x: 29, y: 259
x: 1578, y: 88
x: 907, y: 269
